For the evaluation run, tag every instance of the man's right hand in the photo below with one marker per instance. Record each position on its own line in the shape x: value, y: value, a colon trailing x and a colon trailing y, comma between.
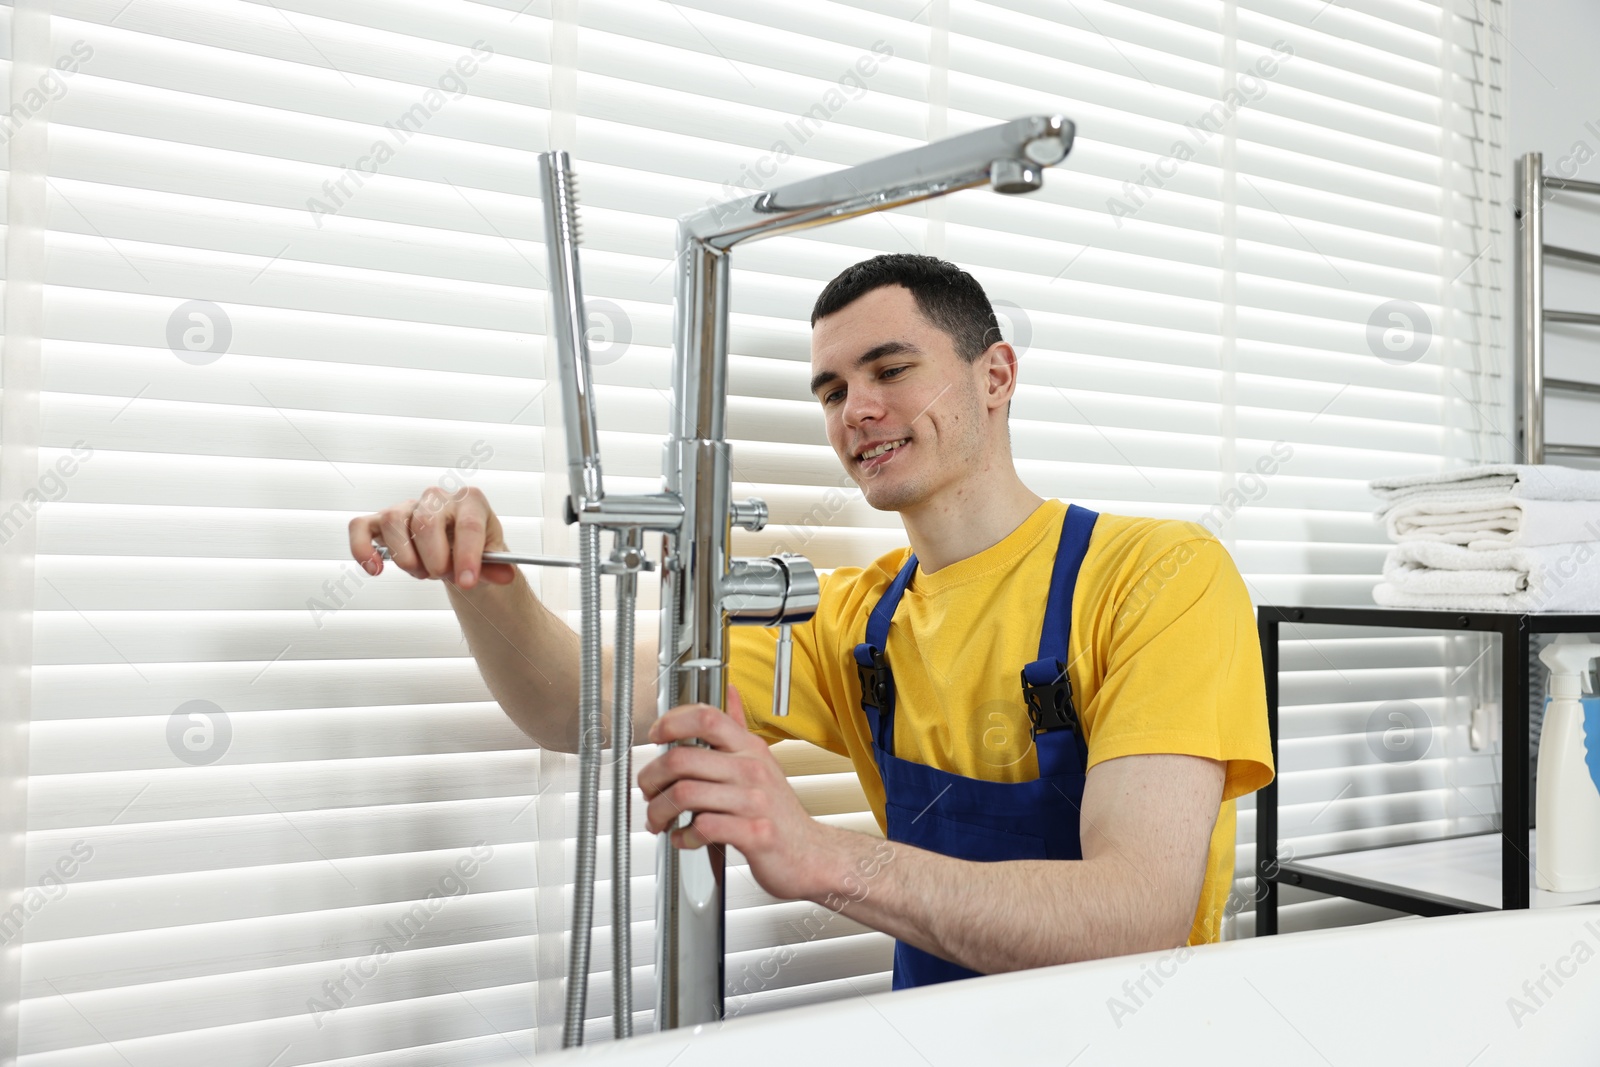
x: 442, y: 535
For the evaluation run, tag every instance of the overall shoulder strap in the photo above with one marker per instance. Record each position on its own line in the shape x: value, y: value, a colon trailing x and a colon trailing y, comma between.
x: 1045, y: 684
x: 872, y: 664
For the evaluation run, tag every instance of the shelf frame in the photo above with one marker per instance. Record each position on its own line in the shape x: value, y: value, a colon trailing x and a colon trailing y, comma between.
x: 1514, y: 630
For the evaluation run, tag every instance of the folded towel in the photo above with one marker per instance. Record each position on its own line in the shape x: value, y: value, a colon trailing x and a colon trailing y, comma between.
x: 1463, y: 498
x: 1498, y: 520
x: 1404, y: 577
x: 1431, y: 574
x: 1546, y: 481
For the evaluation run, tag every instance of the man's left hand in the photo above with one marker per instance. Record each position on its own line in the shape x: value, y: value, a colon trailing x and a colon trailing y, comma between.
x: 739, y: 796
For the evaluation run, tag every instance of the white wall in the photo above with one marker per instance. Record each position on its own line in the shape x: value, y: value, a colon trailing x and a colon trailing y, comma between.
x: 1553, y: 89
x: 1553, y: 79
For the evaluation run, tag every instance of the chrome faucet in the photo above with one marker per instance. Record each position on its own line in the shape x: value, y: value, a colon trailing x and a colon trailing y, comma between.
x: 702, y: 589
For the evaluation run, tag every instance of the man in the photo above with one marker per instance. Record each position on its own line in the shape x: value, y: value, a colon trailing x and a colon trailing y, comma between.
x: 1051, y: 711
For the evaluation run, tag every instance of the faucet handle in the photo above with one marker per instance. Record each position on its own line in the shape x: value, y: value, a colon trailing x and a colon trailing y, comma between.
x: 777, y: 591
x: 780, y: 672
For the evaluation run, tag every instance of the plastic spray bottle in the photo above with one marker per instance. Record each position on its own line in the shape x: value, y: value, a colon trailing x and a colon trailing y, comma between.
x: 1568, y: 802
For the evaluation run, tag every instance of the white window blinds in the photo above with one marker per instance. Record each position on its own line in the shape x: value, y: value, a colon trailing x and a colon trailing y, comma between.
x: 290, y: 271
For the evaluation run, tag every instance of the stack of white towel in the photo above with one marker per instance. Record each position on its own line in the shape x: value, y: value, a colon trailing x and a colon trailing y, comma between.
x: 1508, y: 537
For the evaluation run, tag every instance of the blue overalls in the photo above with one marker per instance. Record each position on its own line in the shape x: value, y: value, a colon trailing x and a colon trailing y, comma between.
x: 968, y: 818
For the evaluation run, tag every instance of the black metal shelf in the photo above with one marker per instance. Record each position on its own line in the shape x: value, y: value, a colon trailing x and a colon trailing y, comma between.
x: 1450, y: 875
x: 1319, y: 873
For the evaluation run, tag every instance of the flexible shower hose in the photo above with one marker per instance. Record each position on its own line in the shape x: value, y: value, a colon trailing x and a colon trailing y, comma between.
x: 588, y: 784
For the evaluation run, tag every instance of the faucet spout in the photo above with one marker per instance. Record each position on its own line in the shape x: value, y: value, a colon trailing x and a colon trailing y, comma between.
x: 1010, y: 157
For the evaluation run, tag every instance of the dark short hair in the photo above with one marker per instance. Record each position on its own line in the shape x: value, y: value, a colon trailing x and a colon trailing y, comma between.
x: 947, y: 296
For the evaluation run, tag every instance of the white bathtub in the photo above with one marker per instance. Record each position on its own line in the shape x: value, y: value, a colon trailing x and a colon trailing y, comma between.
x: 1452, y: 991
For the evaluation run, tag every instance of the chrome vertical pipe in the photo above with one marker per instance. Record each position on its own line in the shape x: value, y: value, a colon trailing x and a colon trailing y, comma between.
x: 1530, y: 304
x: 629, y: 542
x: 689, y: 884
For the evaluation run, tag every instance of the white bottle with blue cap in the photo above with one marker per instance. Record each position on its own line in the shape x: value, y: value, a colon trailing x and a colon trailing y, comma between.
x: 1568, y: 802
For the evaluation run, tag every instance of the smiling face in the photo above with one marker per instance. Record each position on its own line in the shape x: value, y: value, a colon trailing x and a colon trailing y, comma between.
x: 886, y: 376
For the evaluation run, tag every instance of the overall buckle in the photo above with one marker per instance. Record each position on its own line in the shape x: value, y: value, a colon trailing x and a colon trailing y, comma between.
x: 877, y: 684
x: 1050, y: 704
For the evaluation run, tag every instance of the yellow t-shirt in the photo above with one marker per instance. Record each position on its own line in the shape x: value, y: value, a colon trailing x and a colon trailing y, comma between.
x: 1163, y: 658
